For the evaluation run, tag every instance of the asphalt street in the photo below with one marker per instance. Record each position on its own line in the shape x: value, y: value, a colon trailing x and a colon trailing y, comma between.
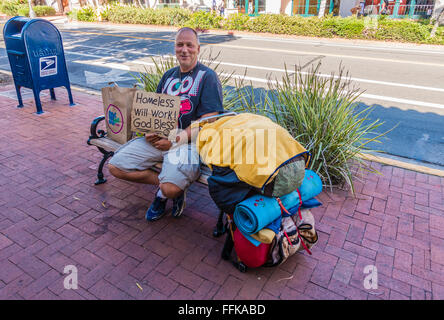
x: 404, y: 83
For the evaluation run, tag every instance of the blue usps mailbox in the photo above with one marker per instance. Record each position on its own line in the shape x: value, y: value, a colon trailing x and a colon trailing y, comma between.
x: 36, y: 57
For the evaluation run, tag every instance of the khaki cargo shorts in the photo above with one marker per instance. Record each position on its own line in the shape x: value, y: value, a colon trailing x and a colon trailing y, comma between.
x: 181, y: 164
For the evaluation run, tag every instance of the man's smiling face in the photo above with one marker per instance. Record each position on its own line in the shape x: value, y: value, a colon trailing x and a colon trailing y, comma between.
x: 187, y: 50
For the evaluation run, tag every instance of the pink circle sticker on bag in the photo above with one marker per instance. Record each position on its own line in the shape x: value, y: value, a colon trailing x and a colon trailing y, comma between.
x: 114, y: 118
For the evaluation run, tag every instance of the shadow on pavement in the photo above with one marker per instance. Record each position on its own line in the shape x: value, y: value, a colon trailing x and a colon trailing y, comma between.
x: 417, y: 135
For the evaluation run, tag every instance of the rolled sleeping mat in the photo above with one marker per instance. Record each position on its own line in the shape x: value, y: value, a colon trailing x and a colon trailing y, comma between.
x: 258, y: 211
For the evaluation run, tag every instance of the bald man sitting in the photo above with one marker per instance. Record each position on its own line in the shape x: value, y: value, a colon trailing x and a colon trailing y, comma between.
x: 200, y: 92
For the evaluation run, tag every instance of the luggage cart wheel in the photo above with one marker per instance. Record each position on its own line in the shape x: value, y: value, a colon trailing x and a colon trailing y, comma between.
x: 240, y: 266
x: 218, y: 231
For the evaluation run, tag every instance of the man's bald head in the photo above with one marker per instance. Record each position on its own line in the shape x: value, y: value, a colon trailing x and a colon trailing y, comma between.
x: 187, y: 29
x: 187, y: 48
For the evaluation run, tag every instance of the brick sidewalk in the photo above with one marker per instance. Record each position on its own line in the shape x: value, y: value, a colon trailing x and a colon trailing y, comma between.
x: 52, y: 215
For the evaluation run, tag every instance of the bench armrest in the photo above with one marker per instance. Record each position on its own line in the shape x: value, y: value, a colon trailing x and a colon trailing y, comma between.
x: 96, y: 134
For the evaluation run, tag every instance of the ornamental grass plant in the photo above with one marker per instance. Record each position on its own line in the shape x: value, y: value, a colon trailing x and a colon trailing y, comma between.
x: 322, y: 114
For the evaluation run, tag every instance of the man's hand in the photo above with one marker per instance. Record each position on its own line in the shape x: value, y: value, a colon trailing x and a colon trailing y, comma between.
x: 152, y: 137
x: 158, y: 142
x: 163, y: 144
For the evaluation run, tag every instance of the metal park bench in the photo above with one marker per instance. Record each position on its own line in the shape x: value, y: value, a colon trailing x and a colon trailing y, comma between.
x: 107, y: 147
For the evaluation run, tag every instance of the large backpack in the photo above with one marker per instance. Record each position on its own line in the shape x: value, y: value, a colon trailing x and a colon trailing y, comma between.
x: 232, y: 182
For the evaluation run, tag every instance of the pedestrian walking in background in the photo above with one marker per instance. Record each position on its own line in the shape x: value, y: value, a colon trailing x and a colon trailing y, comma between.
x: 221, y: 8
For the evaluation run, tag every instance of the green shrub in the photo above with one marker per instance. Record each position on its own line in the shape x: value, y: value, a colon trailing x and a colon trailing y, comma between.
x: 72, y: 14
x: 10, y: 8
x: 348, y: 27
x: 408, y: 31
x: 122, y: 14
x: 40, y: 11
x: 86, y: 14
x: 172, y: 16
x: 273, y: 23
x: 135, y: 15
x: 23, y: 11
x: 104, y: 13
x: 307, y: 26
x: 236, y: 21
x: 204, y: 20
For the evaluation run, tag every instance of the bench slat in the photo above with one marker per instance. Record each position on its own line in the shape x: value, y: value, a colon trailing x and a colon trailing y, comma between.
x: 105, y: 143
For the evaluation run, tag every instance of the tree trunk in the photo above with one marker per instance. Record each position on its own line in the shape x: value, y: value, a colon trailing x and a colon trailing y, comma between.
x: 322, y: 8
x: 438, y: 6
x: 437, y: 22
x: 60, y: 6
x: 91, y: 3
x: 32, y: 14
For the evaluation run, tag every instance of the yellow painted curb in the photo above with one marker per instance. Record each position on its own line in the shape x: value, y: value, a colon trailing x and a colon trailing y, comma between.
x: 88, y: 91
x: 403, y: 165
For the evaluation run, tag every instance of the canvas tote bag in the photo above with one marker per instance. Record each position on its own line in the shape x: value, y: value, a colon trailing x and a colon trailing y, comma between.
x: 117, y: 104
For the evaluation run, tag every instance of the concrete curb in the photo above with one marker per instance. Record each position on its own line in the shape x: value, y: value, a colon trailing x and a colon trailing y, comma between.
x: 403, y: 164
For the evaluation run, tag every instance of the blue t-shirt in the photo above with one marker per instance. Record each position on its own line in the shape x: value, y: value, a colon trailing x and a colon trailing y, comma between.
x: 200, y: 92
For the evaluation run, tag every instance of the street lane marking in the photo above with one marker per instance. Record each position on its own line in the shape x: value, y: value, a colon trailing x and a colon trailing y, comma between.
x: 386, y: 83
x: 363, y: 95
x: 316, y: 42
x: 403, y: 101
x: 87, y: 55
x: 134, y: 51
x: 353, y: 46
x: 118, y: 35
x: 336, y: 77
x: 262, y: 80
x: 239, y: 47
x: 114, y: 75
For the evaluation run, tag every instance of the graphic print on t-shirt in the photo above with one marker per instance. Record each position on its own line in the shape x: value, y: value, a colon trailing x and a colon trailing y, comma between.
x: 188, y: 88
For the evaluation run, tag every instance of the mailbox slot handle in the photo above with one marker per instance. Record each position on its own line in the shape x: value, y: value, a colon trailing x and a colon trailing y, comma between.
x: 17, y: 53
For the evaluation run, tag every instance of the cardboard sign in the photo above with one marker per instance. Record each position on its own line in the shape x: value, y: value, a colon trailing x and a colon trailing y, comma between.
x: 154, y: 113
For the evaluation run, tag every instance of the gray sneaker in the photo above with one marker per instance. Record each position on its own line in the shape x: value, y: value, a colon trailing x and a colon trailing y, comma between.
x: 178, y: 205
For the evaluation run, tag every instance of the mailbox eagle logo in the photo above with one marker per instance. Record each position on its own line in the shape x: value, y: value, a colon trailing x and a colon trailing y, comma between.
x: 48, y: 66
